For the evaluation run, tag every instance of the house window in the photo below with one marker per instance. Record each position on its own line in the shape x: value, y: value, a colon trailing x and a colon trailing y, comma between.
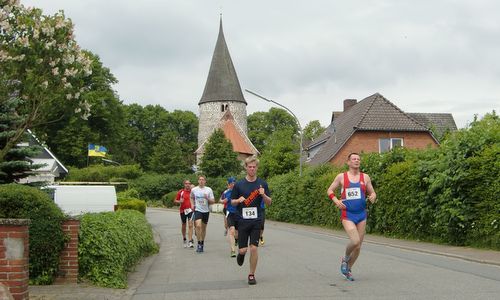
x: 385, y: 145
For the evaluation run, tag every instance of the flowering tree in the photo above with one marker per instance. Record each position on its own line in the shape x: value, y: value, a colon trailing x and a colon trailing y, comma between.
x: 41, y: 64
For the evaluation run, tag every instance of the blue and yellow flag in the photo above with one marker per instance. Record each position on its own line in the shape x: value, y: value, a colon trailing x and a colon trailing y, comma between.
x: 96, y: 150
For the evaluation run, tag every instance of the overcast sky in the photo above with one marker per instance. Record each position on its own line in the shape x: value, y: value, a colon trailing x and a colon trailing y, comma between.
x: 440, y: 56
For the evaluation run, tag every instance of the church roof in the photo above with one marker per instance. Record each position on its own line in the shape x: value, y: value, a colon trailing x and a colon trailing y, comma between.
x: 222, y: 82
x: 233, y: 132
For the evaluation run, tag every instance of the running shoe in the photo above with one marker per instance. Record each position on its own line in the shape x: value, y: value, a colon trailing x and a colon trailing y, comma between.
x: 199, y: 248
x: 185, y: 243
x: 348, y: 276
x: 344, y: 268
x: 233, y: 253
x: 240, y: 259
x: 262, y: 241
x: 251, y: 279
x: 202, y: 248
x: 191, y: 244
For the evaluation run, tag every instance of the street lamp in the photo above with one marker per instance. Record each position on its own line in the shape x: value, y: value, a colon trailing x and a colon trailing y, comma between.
x: 297, y: 120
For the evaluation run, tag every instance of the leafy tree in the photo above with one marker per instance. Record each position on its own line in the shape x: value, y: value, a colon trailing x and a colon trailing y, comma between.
x: 262, y: 124
x: 281, y: 155
x: 70, y: 135
x: 41, y: 63
x: 167, y: 155
x: 16, y: 164
x: 219, y: 159
x: 312, y: 130
x: 185, y: 124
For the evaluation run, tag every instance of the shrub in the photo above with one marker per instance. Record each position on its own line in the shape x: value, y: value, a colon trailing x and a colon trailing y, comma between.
x: 127, y: 194
x: 168, y: 199
x: 100, y: 173
x: 46, y: 238
x: 111, y: 243
x: 132, y: 203
x: 156, y: 186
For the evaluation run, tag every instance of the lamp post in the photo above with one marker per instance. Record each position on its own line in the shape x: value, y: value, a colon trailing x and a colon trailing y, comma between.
x: 296, y: 119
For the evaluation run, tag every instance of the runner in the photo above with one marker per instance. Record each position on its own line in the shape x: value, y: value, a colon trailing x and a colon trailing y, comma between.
x: 186, y: 212
x: 352, y: 204
x: 248, y: 194
x: 230, y: 215
x: 203, y: 196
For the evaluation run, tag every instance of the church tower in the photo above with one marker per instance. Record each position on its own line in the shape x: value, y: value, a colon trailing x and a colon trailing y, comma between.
x: 222, y: 95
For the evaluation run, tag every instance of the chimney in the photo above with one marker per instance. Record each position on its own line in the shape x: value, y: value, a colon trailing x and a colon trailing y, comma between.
x: 348, y: 103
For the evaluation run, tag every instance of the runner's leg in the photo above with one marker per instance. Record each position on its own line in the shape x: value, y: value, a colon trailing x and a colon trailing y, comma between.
x: 360, y: 228
x: 354, y: 240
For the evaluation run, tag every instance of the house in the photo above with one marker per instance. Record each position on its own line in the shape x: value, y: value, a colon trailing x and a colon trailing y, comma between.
x: 375, y: 124
x: 52, y: 168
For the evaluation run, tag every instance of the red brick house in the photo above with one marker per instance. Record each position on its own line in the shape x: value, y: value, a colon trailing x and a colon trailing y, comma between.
x: 375, y: 124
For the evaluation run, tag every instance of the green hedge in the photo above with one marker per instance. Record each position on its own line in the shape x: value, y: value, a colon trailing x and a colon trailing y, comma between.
x: 156, y: 186
x: 168, y: 199
x: 100, y: 173
x: 447, y: 194
x: 131, y: 203
x: 111, y: 243
x: 46, y: 238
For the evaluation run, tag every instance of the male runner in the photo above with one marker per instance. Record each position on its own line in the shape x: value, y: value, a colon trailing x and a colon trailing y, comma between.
x: 248, y: 194
x: 352, y: 204
x: 230, y: 215
x: 203, y: 196
x: 186, y: 212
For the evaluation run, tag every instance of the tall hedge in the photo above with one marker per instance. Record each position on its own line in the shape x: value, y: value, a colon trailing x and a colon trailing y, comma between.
x: 447, y: 194
x: 100, y: 173
x: 111, y: 243
x: 46, y: 238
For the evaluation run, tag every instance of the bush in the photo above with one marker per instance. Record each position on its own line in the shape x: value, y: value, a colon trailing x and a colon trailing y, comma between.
x: 100, y: 173
x: 127, y: 194
x: 111, y: 243
x: 131, y: 203
x: 156, y: 186
x: 168, y: 199
x: 46, y: 238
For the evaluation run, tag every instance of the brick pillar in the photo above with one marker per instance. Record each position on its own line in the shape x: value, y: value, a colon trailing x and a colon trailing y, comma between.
x: 14, y: 256
x: 68, y: 259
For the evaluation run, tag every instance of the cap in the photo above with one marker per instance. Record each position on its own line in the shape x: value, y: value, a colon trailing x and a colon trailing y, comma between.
x: 231, y: 180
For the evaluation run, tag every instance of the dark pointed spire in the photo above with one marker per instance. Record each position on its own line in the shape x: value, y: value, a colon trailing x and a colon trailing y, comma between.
x: 222, y: 81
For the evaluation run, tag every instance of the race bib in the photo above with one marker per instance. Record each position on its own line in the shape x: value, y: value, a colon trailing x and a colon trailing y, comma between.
x: 249, y: 213
x: 352, y: 193
x: 187, y: 211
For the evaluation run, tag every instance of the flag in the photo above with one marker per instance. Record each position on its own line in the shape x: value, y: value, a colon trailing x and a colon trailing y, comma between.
x: 96, y: 150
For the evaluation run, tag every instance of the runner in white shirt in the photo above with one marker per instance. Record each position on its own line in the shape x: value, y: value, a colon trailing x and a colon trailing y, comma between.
x: 201, y: 197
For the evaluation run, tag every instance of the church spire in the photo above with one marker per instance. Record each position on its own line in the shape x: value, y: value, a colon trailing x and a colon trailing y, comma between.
x: 222, y: 82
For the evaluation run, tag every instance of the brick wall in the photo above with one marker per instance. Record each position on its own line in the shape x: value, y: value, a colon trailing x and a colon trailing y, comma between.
x: 367, y: 141
x: 14, y: 256
x: 68, y: 259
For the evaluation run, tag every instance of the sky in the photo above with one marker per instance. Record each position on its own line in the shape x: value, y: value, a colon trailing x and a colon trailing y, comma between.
x: 428, y: 56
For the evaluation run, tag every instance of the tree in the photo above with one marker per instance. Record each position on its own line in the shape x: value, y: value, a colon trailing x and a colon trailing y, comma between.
x: 40, y: 63
x: 262, y: 124
x: 312, y: 130
x: 167, y: 155
x: 281, y: 154
x: 69, y: 136
x: 16, y: 164
x: 219, y: 159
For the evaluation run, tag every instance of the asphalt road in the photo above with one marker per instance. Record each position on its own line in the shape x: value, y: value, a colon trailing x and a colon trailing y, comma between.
x: 301, y: 263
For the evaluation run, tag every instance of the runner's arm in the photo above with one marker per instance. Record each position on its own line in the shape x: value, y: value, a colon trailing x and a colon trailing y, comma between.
x: 372, y: 196
x: 331, y: 191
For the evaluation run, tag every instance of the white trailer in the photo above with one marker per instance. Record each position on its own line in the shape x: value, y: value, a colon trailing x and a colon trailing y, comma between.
x: 78, y: 199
